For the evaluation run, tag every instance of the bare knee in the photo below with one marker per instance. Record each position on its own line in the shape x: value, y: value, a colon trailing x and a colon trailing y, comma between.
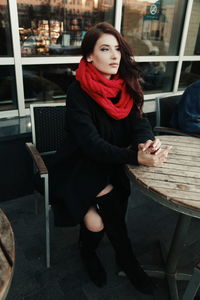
x: 93, y: 221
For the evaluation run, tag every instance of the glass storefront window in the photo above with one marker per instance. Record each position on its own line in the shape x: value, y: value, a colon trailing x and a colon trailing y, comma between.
x: 157, y: 76
x: 153, y: 27
x: 50, y: 83
x: 190, y: 73
x: 5, y: 35
x: 193, y: 39
x: 47, y: 83
x: 8, y: 95
x: 55, y: 27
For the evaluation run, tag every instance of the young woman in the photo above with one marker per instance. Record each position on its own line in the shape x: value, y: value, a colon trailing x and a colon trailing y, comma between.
x: 105, y: 130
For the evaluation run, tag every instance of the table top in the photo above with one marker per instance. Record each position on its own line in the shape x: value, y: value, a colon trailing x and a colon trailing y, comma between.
x: 7, y: 255
x: 176, y: 184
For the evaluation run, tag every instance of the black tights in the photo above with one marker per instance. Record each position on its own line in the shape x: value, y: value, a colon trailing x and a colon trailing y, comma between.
x: 112, y: 208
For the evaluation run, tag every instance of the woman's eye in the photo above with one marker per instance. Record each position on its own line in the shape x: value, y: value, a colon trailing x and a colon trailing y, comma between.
x: 104, y: 49
x: 118, y: 49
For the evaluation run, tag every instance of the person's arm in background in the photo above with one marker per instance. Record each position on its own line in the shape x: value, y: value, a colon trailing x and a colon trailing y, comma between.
x: 189, y: 110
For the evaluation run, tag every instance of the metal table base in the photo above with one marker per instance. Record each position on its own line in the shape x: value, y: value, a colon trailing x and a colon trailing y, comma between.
x: 169, y: 270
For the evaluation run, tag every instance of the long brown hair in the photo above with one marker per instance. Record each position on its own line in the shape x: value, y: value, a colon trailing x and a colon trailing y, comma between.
x: 128, y: 69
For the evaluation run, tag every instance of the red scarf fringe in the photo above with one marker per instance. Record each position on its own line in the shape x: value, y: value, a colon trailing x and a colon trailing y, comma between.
x: 100, y: 89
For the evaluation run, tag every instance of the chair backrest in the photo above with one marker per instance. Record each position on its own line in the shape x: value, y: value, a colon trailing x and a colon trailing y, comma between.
x: 164, y: 110
x: 48, y: 121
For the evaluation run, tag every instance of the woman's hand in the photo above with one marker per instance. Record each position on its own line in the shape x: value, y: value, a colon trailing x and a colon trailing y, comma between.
x: 150, y: 146
x: 153, y: 159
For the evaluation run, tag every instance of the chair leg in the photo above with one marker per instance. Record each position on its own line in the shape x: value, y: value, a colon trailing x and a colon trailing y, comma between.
x: 47, y: 208
x: 47, y: 240
x: 36, y: 205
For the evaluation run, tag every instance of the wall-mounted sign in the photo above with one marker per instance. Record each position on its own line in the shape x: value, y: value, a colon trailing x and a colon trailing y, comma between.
x: 153, y: 11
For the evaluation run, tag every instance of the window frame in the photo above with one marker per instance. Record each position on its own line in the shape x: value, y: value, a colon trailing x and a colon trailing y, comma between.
x: 18, y: 61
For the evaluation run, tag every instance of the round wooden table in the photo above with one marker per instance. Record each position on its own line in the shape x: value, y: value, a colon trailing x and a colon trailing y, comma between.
x: 7, y: 255
x: 175, y: 185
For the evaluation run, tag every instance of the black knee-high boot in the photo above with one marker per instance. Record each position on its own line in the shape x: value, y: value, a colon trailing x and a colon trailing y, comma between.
x: 88, y: 242
x: 115, y: 227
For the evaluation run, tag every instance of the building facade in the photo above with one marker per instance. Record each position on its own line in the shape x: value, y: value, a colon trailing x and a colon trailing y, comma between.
x: 40, y: 46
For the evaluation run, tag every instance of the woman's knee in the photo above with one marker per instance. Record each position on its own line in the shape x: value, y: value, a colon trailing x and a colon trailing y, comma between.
x: 93, y: 221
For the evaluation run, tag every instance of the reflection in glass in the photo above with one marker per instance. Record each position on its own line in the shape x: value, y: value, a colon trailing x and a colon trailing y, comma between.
x: 47, y: 83
x: 157, y: 76
x: 190, y: 73
x: 54, y: 27
x: 152, y: 27
x: 8, y: 96
x: 193, y: 38
x: 5, y: 36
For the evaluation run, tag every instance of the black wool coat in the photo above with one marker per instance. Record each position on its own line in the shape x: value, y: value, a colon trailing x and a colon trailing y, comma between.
x: 94, y: 154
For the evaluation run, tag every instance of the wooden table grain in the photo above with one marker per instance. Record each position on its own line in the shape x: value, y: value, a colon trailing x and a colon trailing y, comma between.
x: 175, y: 185
x: 7, y: 255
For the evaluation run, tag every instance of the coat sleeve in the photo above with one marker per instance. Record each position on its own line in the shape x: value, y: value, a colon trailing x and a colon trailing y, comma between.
x: 141, y: 129
x: 87, y: 137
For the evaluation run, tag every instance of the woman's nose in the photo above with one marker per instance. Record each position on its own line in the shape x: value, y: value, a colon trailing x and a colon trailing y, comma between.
x: 114, y: 54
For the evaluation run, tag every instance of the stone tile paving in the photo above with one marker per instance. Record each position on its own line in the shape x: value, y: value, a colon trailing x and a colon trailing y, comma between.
x: 148, y: 222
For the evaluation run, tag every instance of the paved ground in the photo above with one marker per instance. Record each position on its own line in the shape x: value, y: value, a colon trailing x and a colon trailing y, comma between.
x: 147, y: 221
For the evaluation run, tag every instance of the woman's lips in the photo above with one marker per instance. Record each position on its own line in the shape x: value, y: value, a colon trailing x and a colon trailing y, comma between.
x: 114, y: 65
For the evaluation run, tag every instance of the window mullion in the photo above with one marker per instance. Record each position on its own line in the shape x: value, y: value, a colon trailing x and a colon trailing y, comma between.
x: 118, y: 15
x: 17, y: 55
x: 183, y: 44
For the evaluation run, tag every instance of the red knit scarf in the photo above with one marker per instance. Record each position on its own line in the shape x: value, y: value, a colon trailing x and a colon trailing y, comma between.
x: 100, y: 89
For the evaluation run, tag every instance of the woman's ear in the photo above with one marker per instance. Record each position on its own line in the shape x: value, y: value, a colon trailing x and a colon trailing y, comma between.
x: 89, y: 59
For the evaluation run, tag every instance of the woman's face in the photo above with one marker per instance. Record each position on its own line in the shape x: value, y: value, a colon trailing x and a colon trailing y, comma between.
x: 106, y: 55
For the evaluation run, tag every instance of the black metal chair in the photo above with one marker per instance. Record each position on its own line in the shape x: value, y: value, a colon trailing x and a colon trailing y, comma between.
x: 47, y: 122
x: 164, y: 111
